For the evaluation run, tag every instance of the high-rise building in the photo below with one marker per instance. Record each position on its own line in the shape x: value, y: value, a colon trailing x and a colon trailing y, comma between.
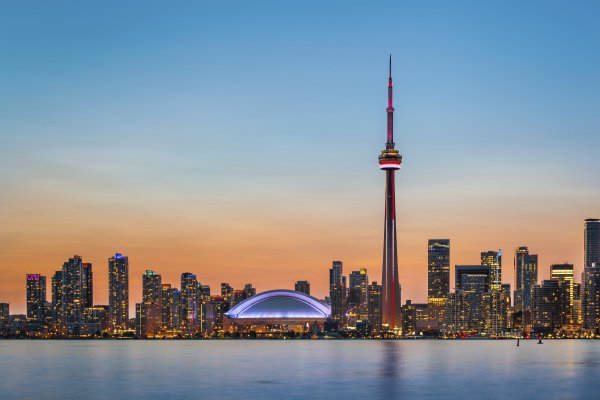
x: 590, y: 297
x: 57, y: 303
x: 564, y: 274
x: 458, y: 312
x: 167, y: 307
x: 190, y: 314
x: 390, y: 160
x: 474, y: 281
x: 526, y: 276
x: 88, y: 285
x: 546, y: 307
x: 438, y: 278
x: 357, y: 294
x: 374, y: 308
x: 591, y: 242
x: 118, y: 291
x: 150, y: 309
x: 151, y: 287
x: 590, y: 281
x: 36, y: 296
x: 147, y: 319
x: 493, y: 259
x: 302, y: 286
x: 176, y: 309
x: 76, y: 292
x: 337, y: 292
x: 495, y: 301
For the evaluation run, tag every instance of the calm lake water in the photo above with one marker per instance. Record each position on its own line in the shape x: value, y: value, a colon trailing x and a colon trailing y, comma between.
x: 300, y: 369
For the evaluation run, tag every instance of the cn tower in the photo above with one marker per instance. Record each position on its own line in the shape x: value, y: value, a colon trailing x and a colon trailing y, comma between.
x: 390, y: 160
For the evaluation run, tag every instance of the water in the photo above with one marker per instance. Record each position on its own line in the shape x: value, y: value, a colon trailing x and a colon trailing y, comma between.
x: 565, y: 369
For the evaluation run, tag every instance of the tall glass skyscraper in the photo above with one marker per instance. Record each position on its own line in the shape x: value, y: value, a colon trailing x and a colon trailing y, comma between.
x: 337, y: 292
x: 590, y: 282
x: 474, y: 282
x: 118, y: 291
x: 438, y: 278
x: 526, y: 276
x: 591, y: 242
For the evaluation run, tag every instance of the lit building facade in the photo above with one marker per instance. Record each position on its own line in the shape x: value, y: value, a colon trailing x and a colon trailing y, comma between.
x: 277, y: 310
x: 118, y: 291
x: 590, y: 297
x: 358, y: 295
x: 546, y: 307
x: 75, y: 292
x: 474, y: 282
x: 438, y: 279
x: 36, y: 296
x: 526, y: 276
x: 337, y: 293
x: 591, y: 242
x: 564, y: 274
x: 190, y: 313
x: 374, y: 306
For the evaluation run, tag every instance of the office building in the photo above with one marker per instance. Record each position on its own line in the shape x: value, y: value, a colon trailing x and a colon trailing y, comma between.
x: 526, y: 276
x: 438, y: 279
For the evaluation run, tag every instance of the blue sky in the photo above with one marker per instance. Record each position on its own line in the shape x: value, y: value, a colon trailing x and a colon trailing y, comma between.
x: 163, y: 117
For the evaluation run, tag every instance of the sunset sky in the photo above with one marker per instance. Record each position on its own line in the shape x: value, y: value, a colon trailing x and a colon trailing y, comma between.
x: 239, y: 140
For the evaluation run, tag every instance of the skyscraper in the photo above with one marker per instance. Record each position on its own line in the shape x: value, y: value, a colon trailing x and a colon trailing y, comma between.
x: 390, y: 160
x: 57, y: 302
x: 590, y: 297
x: 357, y: 294
x: 337, y: 292
x: 151, y: 287
x: 302, y: 286
x: 374, y: 307
x: 190, y: 316
x: 526, y: 276
x: 495, y: 300
x: 75, y: 292
x: 546, y: 306
x: 474, y: 282
x: 88, y: 285
x: 591, y: 242
x: 118, y: 291
x: 36, y: 296
x: 590, y: 282
x: 438, y: 278
x: 167, y: 306
x: 564, y: 274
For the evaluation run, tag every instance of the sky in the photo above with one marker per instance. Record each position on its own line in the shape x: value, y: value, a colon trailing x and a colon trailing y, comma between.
x: 238, y: 140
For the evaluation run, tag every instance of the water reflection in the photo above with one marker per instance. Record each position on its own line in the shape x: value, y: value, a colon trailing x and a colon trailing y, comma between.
x: 390, y: 370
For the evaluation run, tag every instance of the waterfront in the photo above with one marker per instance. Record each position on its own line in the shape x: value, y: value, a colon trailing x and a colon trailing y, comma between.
x: 420, y: 369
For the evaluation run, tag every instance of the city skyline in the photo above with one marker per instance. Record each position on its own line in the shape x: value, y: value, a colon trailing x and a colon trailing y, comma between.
x: 97, y: 158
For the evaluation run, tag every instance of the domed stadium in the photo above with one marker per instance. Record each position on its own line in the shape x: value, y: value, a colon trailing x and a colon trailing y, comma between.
x: 277, y: 310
